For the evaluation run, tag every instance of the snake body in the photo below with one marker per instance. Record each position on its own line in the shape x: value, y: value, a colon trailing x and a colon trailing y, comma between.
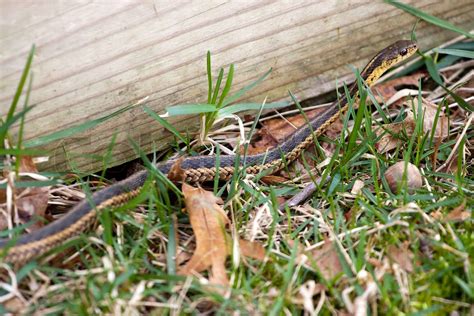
x: 195, y: 169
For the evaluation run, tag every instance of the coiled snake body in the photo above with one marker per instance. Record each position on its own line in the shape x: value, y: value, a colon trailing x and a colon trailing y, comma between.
x: 196, y: 169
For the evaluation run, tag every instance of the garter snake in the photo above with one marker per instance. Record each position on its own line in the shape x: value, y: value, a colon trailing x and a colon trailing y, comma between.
x: 196, y: 169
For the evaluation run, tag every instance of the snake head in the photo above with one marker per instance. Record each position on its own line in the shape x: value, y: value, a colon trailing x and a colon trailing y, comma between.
x: 406, y: 47
x: 399, y: 51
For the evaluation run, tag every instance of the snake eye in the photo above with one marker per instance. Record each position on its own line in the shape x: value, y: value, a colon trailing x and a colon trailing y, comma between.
x: 403, y: 52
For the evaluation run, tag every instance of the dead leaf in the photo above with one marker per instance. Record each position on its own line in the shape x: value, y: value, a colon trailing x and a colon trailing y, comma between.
x: 458, y: 214
x: 402, y: 256
x: 388, y: 139
x: 326, y: 260
x: 176, y: 173
x: 388, y: 132
x: 213, y: 244
x: 31, y: 203
x: 386, y: 90
x: 15, y: 305
x: 252, y: 249
x: 208, y: 221
x: 272, y: 179
x: 429, y: 110
x: 437, y: 215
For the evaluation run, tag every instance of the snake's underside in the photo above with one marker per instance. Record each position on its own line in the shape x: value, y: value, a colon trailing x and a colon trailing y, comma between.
x: 196, y: 169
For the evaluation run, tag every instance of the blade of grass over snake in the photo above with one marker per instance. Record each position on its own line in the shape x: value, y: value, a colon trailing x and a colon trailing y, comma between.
x: 359, y: 114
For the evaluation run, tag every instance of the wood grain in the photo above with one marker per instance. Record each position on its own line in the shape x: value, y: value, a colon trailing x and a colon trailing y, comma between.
x: 94, y: 58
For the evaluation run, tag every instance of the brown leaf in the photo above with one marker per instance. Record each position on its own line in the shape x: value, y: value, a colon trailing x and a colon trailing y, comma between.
x: 429, y: 110
x: 31, y: 202
x: 272, y: 179
x: 387, y: 89
x: 437, y: 215
x: 252, y: 249
x: 389, y: 132
x: 208, y: 221
x: 458, y: 214
x: 15, y: 305
x: 402, y: 255
x: 176, y: 173
x: 213, y: 244
x: 326, y: 260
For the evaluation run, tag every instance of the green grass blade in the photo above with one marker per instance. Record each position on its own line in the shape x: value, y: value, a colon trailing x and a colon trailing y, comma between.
x: 429, y: 18
x: 460, y: 101
x: 456, y: 52
x: 22, y: 120
x: 165, y: 124
x: 432, y: 70
x: 74, y: 130
x: 217, y: 87
x: 209, y: 77
x: 22, y: 125
x: 171, y: 253
x: 360, y: 114
x: 189, y: 109
x: 10, y: 121
x: 239, y: 107
x: 248, y: 87
x: 19, y: 90
x: 21, y: 152
x: 228, y: 84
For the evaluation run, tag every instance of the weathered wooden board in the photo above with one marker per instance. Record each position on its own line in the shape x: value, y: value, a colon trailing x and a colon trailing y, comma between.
x: 94, y: 57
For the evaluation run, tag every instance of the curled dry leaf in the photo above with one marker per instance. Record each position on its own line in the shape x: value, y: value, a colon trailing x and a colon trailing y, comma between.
x: 31, y: 203
x: 388, y: 132
x: 213, y: 244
